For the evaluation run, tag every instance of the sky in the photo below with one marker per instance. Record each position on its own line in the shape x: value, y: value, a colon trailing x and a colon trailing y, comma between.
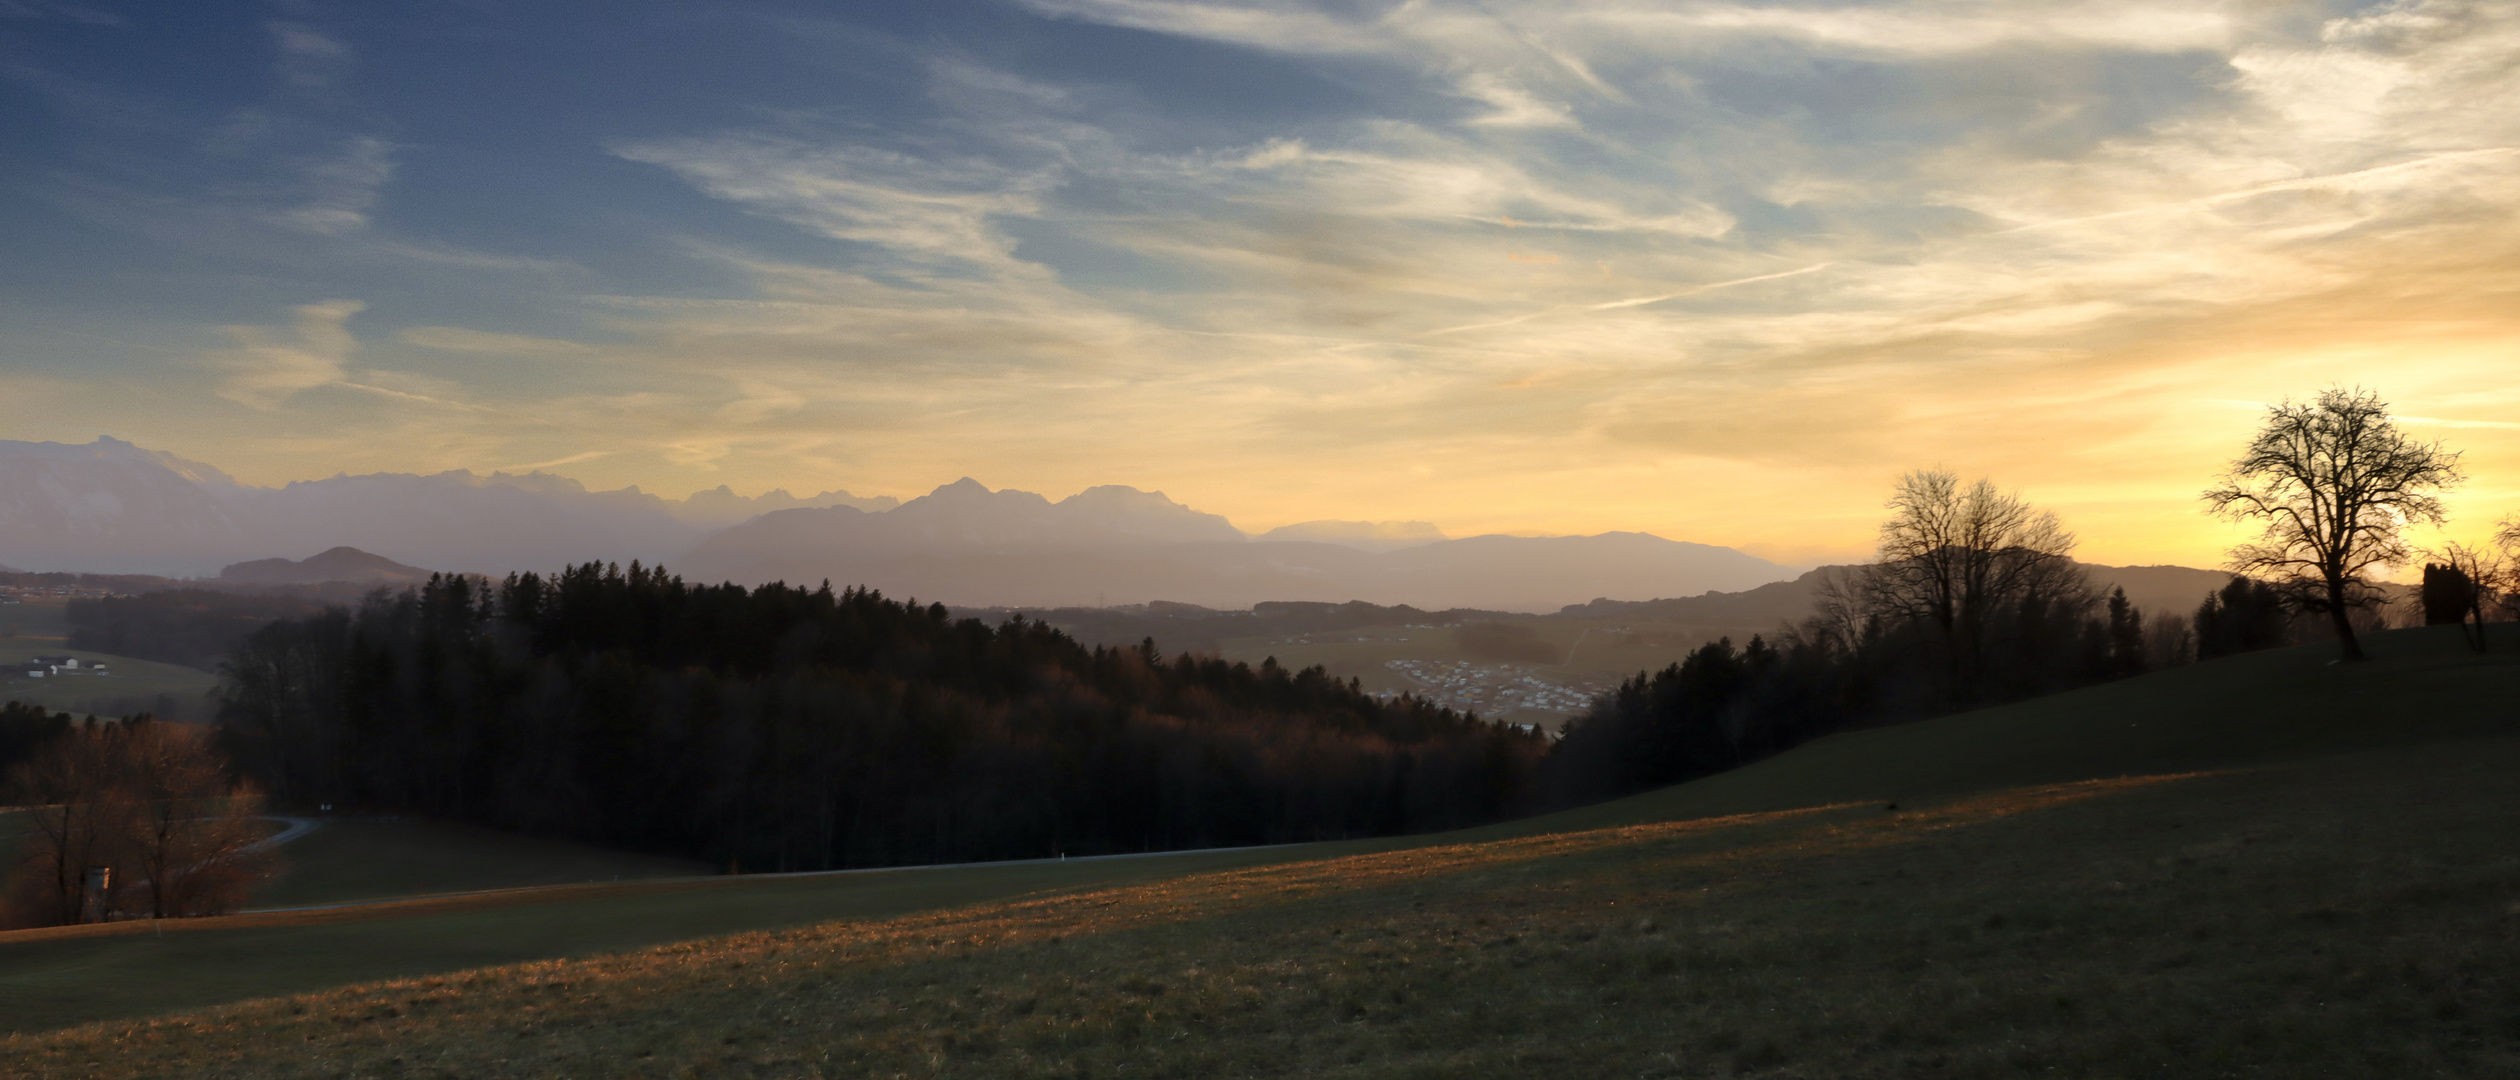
x: 1715, y: 270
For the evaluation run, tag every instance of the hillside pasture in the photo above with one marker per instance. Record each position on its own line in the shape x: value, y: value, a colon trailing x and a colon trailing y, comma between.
x: 352, y: 859
x: 2337, y: 918
x: 2264, y: 863
x: 41, y: 627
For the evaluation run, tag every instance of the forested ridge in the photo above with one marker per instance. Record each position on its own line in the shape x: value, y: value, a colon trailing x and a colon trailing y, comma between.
x: 781, y: 727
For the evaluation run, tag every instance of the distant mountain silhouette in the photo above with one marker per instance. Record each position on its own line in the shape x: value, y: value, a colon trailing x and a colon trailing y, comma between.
x: 346, y: 564
x: 720, y: 507
x: 112, y: 507
x: 2155, y: 589
x: 965, y: 544
x: 1362, y: 535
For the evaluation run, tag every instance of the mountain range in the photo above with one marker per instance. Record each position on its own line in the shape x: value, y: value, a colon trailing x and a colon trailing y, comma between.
x: 965, y: 544
x: 112, y: 507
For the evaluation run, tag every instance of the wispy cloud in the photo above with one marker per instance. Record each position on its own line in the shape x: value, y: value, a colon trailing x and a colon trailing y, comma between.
x: 461, y: 340
x: 309, y: 58
x: 269, y: 365
x: 343, y: 186
x: 920, y: 209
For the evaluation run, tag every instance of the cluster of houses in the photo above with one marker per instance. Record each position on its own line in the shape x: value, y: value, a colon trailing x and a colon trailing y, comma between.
x: 53, y: 666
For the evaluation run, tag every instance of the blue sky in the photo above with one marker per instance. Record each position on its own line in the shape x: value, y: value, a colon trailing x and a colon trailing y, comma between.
x: 1714, y: 269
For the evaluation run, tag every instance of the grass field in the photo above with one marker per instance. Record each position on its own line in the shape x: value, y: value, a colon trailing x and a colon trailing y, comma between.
x: 345, y: 860
x: 38, y: 627
x: 2265, y: 866
x: 134, y: 685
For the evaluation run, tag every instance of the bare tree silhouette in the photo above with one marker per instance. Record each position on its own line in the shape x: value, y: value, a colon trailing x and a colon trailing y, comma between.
x: 2336, y: 483
x: 1952, y: 558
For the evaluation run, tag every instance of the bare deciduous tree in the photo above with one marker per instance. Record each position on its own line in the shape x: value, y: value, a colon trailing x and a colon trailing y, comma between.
x: 1953, y: 557
x: 152, y: 802
x: 74, y: 826
x: 192, y: 828
x: 2336, y: 483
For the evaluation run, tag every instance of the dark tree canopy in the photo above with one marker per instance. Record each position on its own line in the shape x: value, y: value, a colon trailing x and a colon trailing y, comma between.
x: 25, y: 728
x: 2464, y: 586
x: 2247, y: 615
x: 799, y: 728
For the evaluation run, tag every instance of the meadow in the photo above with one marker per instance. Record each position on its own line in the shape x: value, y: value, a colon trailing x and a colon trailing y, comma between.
x: 346, y: 860
x: 2265, y: 864
x: 38, y: 627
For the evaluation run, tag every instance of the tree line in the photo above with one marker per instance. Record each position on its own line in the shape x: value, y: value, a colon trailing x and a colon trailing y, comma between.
x: 189, y: 626
x: 782, y: 728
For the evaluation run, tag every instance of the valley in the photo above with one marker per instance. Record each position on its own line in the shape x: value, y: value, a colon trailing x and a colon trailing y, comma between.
x: 1431, y: 661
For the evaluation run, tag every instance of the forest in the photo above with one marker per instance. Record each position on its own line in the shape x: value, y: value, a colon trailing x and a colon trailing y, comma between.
x: 782, y: 728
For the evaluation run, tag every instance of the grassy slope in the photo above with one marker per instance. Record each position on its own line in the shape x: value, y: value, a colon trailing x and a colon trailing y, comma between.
x: 2342, y: 912
x: 346, y: 860
x: 2282, y: 705
x: 51, y: 978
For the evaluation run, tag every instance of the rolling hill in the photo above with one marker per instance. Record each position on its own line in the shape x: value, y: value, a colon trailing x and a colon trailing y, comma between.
x: 2261, y: 864
x: 2173, y: 589
x: 340, y: 564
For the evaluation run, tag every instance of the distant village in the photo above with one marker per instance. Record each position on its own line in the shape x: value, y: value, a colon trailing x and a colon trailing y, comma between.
x: 1495, y: 689
x: 17, y: 593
